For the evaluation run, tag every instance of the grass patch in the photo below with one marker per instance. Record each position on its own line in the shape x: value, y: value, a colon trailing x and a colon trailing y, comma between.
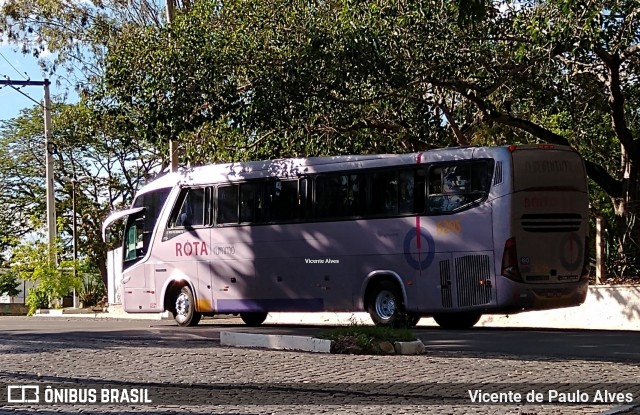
x: 356, y: 339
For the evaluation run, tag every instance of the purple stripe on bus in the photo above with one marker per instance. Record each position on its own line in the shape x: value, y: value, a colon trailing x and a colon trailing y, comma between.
x: 284, y: 304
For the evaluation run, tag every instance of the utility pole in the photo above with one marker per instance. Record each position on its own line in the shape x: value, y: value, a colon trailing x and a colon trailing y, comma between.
x: 173, y: 145
x: 49, y: 151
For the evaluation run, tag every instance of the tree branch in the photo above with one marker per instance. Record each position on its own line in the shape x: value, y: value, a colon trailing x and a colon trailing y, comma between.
x: 616, y: 102
x: 597, y: 173
x: 460, y: 138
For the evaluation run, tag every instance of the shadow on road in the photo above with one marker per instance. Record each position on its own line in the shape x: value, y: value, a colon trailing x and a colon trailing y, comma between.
x: 36, y: 336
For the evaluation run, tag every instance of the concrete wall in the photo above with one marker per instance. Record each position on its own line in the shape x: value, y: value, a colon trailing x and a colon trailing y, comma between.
x: 615, y: 307
x: 13, y: 309
x: 114, y: 276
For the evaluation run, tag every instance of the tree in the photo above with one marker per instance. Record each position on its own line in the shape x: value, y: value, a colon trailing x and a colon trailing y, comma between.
x: 9, y: 284
x: 31, y: 263
x: 90, y: 142
x: 235, y: 80
x: 348, y: 76
x: 74, y: 31
x: 92, y: 159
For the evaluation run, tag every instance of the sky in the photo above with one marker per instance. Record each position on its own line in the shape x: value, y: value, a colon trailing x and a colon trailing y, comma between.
x: 16, y: 66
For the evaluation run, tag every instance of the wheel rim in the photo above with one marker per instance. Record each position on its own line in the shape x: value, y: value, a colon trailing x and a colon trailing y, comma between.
x: 385, y: 304
x: 182, y: 307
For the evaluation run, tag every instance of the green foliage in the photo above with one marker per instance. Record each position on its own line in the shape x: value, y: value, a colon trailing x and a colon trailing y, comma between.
x: 364, y: 333
x: 38, y: 298
x: 243, y: 80
x: 361, y: 339
x: 9, y: 284
x: 108, y: 168
x: 31, y: 262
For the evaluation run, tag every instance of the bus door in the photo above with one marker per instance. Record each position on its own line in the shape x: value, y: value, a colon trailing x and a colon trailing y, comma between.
x: 186, y: 251
x: 138, y: 284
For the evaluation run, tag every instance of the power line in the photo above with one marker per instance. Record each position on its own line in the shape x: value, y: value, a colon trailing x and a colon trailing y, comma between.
x: 14, y: 68
x: 11, y: 84
x: 49, y: 149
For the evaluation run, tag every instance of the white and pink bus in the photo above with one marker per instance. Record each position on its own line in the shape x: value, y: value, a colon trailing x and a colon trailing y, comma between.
x: 451, y: 233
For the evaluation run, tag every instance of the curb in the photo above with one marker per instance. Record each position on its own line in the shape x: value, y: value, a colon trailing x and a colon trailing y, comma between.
x: 275, y: 341
x: 302, y: 343
x: 620, y: 409
x: 87, y: 313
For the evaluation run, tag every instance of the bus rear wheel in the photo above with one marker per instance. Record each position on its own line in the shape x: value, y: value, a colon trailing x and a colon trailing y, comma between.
x: 185, y: 312
x: 457, y: 321
x: 385, y: 305
x: 253, y: 319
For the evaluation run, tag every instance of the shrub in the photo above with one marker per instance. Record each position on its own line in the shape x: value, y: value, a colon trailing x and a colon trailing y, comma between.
x: 38, y: 297
x: 31, y: 262
x: 9, y: 283
x: 359, y: 339
x: 92, y: 290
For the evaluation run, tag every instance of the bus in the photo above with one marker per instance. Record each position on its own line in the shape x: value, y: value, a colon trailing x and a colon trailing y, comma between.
x: 450, y: 233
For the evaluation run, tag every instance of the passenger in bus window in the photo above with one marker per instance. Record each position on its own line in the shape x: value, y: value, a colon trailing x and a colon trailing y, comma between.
x: 184, y: 217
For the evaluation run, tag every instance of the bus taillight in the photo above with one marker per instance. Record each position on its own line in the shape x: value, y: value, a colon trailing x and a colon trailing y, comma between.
x: 510, y: 267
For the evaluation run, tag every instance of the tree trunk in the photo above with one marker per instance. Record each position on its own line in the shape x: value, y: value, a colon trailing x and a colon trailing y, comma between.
x: 626, y: 208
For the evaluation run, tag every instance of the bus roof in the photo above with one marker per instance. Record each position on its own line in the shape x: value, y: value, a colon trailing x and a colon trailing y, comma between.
x: 295, y: 167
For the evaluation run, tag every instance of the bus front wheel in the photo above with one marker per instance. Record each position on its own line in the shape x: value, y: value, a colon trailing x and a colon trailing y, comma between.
x: 457, y: 321
x: 253, y: 319
x: 385, y: 305
x: 185, y: 312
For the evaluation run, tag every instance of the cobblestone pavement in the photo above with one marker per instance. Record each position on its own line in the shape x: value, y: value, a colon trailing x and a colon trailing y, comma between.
x: 275, y: 382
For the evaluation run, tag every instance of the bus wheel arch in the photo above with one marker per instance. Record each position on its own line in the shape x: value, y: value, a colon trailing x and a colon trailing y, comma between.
x: 180, y: 301
x: 384, y: 301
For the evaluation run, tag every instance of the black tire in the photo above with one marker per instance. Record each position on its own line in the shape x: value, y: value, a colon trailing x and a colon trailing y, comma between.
x: 457, y: 321
x: 385, y: 305
x: 253, y: 319
x: 184, y: 308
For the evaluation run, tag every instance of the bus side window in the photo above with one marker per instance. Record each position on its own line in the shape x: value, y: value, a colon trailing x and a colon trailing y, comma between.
x: 191, y: 211
x: 481, y: 176
x: 227, y: 204
x: 340, y: 196
x: 384, y: 193
x: 305, y: 205
x: 330, y: 196
x: 251, y: 202
x: 406, y: 185
x: 455, y: 187
x: 283, y: 200
x: 195, y: 207
x: 436, y: 199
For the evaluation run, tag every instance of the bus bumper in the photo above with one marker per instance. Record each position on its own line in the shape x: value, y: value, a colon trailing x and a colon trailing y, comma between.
x: 514, y: 296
